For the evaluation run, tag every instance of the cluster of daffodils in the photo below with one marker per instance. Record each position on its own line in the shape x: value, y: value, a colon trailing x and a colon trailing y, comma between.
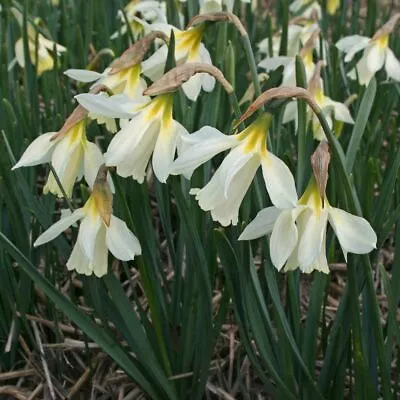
x: 304, y: 41
x: 40, y: 56
x: 147, y: 136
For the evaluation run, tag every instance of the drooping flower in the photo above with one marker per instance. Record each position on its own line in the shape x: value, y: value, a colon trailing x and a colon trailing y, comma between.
x: 69, y: 152
x: 42, y: 56
x: 152, y: 130
x: 138, y: 14
x: 121, y: 77
x: 376, y: 53
x: 227, y: 188
x: 188, y: 49
x: 99, y: 232
x: 298, y: 237
x: 289, y: 63
x: 330, y: 108
x: 299, y: 31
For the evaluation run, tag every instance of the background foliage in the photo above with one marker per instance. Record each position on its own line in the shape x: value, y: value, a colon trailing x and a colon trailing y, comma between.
x: 199, y: 313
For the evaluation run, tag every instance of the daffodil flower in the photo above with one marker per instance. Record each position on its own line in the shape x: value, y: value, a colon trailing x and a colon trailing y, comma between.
x: 376, y: 53
x: 305, y: 8
x: 289, y: 63
x: 298, y: 238
x: 151, y: 130
x: 189, y: 49
x: 328, y: 106
x: 99, y: 232
x: 42, y: 56
x: 298, y: 35
x: 227, y: 188
x: 150, y: 11
x: 120, y: 81
x: 69, y: 152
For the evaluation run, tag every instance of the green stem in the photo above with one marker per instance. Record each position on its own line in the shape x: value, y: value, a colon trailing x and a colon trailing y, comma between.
x: 252, y: 63
x: 301, y: 81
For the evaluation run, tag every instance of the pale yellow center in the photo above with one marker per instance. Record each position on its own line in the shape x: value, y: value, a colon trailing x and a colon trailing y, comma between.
x: 383, y: 41
x: 189, y: 41
x: 160, y: 108
x: 312, y: 198
x: 255, y: 135
x: 308, y: 58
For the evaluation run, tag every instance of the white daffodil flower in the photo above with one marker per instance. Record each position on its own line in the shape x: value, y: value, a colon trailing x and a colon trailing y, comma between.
x: 306, y: 8
x: 120, y: 81
x: 227, y: 188
x: 376, y: 53
x: 43, y: 60
x: 189, y: 49
x: 289, y: 63
x: 99, y: 232
x: 330, y: 108
x: 298, y: 35
x: 152, y: 130
x: 298, y: 237
x: 69, y: 152
x: 150, y: 11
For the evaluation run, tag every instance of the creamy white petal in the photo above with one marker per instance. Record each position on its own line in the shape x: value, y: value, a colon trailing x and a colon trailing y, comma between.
x: 100, y: 255
x: 351, y: 45
x: 290, y: 113
x: 122, y: 243
x: 283, y: 239
x: 354, y: 233
x: 320, y: 263
x: 301, y: 218
x: 153, y: 67
x: 38, y: 152
x: 262, y: 224
x: 92, y: 160
x: 164, y: 150
x: 19, y: 52
x: 207, y: 80
x: 83, y: 75
x: 127, y: 139
x: 312, y: 238
x: 227, y: 209
x: 102, y: 105
x: 78, y: 261
x: 342, y: 112
x: 364, y: 73
x: 392, y: 65
x: 59, y: 227
x: 234, y: 162
x: 88, y: 230
x: 49, y: 44
x: 67, y: 160
x: 362, y: 44
x: 192, y: 87
x: 279, y: 181
x: 375, y: 57
x: 137, y: 155
x: 207, y: 142
x: 223, y: 209
x: 271, y: 63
